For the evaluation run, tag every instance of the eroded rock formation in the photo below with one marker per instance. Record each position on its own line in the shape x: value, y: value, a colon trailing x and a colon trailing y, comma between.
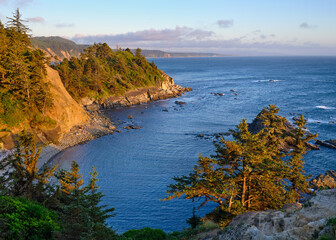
x: 289, y: 223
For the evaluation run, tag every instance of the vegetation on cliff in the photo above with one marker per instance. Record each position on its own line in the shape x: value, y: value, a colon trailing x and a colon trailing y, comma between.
x: 250, y: 173
x: 33, y: 208
x: 101, y: 72
x: 24, y: 96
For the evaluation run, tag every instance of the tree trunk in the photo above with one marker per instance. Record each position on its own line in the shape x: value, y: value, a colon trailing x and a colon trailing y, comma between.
x: 230, y: 202
x: 244, y: 190
x: 249, y: 194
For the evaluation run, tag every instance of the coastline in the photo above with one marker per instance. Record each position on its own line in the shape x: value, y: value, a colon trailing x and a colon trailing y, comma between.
x: 100, y: 125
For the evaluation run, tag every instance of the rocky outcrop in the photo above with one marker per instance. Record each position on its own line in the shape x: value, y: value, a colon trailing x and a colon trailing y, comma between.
x: 329, y: 143
x: 66, y: 111
x: 257, y: 125
x: 324, y: 181
x: 165, y: 89
x: 292, y: 222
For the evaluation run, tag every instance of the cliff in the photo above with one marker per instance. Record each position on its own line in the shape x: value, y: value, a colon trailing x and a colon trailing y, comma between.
x: 163, y: 90
x: 66, y: 113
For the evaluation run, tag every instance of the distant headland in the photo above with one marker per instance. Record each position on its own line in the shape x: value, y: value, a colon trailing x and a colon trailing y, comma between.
x: 64, y: 48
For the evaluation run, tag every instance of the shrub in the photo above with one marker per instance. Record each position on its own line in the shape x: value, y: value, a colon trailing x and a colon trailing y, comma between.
x: 24, y: 219
x: 145, y: 234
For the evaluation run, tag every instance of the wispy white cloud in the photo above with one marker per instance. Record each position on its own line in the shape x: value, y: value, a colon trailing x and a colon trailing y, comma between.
x: 307, y: 26
x: 197, y: 40
x: 16, y: 3
x: 150, y: 35
x: 36, y: 19
x: 256, y: 31
x: 65, y: 25
x: 225, y: 23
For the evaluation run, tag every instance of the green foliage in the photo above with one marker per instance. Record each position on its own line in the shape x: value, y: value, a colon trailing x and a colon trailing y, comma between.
x: 20, y: 176
x: 58, y: 45
x: 101, y: 72
x: 23, y: 93
x: 191, y: 233
x: 194, y: 221
x: 10, y: 112
x: 145, y: 234
x: 24, y: 219
x: 82, y: 215
x: 249, y: 173
x: 331, y: 235
x: 79, y: 209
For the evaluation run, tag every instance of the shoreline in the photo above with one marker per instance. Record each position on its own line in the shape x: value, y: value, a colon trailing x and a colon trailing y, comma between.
x: 98, y: 126
x: 101, y: 125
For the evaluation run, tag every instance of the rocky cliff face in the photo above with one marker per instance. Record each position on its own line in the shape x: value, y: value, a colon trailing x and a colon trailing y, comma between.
x: 66, y: 111
x: 292, y: 222
x: 166, y: 89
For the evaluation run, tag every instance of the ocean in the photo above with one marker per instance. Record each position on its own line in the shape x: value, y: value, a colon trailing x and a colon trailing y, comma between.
x: 135, y: 166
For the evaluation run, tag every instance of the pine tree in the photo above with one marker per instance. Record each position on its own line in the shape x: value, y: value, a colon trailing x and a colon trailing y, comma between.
x: 97, y: 213
x: 299, y: 183
x: 251, y: 172
x: 21, y: 176
x: 72, y: 202
x: 17, y: 23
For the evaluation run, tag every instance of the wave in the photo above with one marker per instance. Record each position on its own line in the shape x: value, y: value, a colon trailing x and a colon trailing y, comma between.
x: 320, y: 121
x: 270, y: 80
x: 325, y: 107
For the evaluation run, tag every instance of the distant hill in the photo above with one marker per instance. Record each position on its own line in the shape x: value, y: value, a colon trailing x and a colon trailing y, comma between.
x: 162, y: 54
x: 57, y: 46
x: 64, y: 48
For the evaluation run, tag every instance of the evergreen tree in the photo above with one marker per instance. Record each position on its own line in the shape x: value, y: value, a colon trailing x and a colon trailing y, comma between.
x: 97, y: 213
x: 17, y: 23
x: 22, y: 90
x: 20, y: 174
x: 72, y: 203
x: 251, y: 172
x: 299, y: 183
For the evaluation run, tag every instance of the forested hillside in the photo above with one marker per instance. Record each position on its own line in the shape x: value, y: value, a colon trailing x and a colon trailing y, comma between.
x: 58, y: 48
x: 101, y: 72
x: 24, y: 96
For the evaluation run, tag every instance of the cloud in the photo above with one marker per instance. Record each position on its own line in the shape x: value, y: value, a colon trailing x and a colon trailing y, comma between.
x: 256, y: 31
x: 264, y: 36
x: 185, y: 39
x: 16, y: 3
x: 149, y: 35
x: 36, y: 19
x: 225, y: 23
x: 65, y: 25
x: 307, y: 26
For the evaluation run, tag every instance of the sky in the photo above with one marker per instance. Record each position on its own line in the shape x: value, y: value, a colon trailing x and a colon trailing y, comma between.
x: 234, y: 27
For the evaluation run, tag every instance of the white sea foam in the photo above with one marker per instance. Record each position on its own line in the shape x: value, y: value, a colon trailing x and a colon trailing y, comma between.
x: 325, y: 107
x: 269, y: 80
x: 318, y: 121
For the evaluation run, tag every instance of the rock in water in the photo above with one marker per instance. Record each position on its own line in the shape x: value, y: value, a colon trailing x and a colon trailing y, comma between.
x: 329, y: 143
x: 324, y: 181
x: 180, y: 103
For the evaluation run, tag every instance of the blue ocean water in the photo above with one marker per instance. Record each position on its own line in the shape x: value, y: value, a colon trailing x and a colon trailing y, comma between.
x: 135, y: 166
